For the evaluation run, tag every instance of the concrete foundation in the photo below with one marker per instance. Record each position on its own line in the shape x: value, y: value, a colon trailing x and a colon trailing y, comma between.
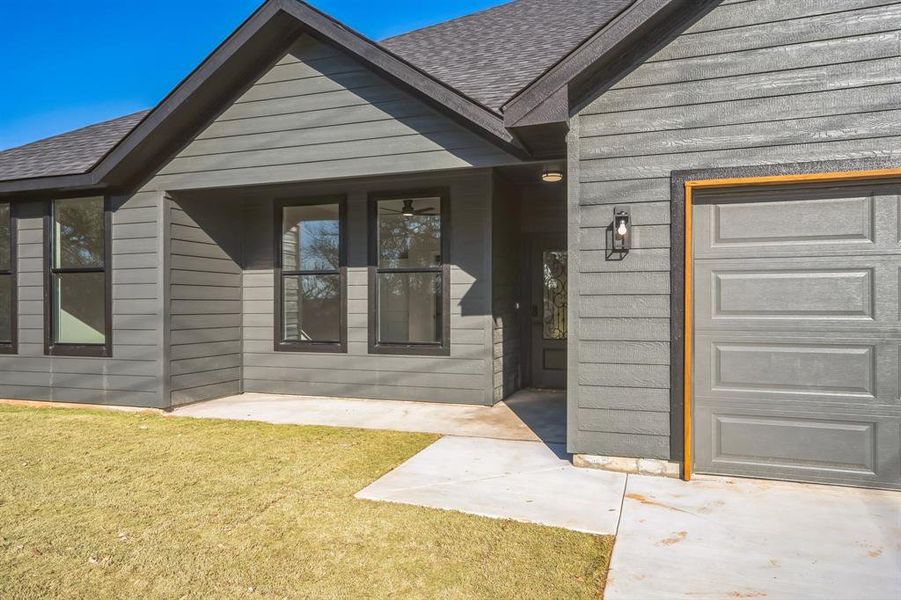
x: 634, y: 466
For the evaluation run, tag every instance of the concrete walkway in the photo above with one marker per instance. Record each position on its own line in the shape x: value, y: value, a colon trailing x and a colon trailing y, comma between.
x: 526, y: 415
x: 718, y: 538
x: 522, y: 481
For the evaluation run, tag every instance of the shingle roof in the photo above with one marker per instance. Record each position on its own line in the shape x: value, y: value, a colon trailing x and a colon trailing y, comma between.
x: 493, y: 54
x: 69, y: 153
x: 489, y: 56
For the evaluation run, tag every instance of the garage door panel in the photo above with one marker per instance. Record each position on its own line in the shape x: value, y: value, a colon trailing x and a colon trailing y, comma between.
x: 829, y: 220
x: 826, y: 446
x: 840, y: 222
x: 856, y: 371
x: 797, y: 335
x: 803, y: 294
x: 794, y: 368
x: 793, y: 441
x: 769, y: 292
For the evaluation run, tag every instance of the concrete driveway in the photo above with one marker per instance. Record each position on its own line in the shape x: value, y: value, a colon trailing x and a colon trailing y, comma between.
x: 744, y: 538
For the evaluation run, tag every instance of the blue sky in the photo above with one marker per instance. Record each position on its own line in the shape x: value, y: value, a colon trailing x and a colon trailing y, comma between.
x: 70, y: 63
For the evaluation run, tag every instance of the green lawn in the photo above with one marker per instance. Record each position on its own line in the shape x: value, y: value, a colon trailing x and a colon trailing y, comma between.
x: 98, y: 504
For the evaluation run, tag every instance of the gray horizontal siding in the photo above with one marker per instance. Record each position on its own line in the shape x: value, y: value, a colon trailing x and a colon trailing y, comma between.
x: 204, y: 270
x: 753, y: 82
x: 318, y: 114
x: 463, y: 377
x: 133, y: 375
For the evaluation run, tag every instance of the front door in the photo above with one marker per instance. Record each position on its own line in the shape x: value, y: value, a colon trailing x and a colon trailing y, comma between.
x: 548, y: 311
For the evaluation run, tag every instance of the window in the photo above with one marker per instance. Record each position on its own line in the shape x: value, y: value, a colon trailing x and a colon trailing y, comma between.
x: 77, y: 287
x: 310, y: 299
x: 8, y: 308
x: 409, y: 280
x: 554, y: 292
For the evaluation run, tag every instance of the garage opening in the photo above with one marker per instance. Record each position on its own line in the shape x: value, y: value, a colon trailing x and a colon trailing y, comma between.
x: 794, y: 337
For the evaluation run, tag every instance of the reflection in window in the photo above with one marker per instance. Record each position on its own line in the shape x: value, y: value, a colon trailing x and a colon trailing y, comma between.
x: 78, y: 276
x: 409, y: 271
x: 311, y: 280
x: 554, y: 267
x: 7, y: 279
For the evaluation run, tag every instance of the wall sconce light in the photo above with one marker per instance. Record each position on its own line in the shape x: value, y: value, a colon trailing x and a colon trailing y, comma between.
x: 551, y: 176
x: 622, y: 229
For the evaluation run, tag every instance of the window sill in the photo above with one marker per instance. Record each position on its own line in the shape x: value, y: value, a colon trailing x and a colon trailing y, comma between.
x: 410, y: 349
x: 324, y: 347
x: 103, y: 351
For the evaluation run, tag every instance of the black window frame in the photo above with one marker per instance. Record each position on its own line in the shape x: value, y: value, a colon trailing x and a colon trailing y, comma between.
x: 12, y: 346
x: 280, y: 344
x: 52, y: 348
x: 442, y: 348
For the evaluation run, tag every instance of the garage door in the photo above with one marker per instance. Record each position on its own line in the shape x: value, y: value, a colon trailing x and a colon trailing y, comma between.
x: 797, y: 332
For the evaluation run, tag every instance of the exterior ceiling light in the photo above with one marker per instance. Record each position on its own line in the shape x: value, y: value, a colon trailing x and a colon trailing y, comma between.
x: 552, y: 176
x: 407, y: 210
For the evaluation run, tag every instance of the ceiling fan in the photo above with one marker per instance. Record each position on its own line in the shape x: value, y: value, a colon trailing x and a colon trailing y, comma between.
x: 409, y: 211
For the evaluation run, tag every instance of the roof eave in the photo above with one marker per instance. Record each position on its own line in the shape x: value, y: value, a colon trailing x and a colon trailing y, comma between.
x: 50, y: 183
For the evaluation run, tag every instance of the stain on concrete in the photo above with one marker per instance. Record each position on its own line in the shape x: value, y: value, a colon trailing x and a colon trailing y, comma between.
x: 711, y: 506
x: 871, y: 550
x: 675, y: 538
x: 775, y: 563
x: 751, y: 594
x: 648, y: 502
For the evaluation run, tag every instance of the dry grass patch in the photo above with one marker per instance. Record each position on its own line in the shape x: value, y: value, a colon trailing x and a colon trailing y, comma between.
x: 107, y: 505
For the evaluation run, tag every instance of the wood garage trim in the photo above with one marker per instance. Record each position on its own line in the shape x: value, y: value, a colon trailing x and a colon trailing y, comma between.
x: 683, y: 186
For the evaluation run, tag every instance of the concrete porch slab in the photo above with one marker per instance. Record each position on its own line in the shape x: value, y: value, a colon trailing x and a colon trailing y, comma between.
x: 743, y: 538
x: 526, y: 415
x: 522, y: 481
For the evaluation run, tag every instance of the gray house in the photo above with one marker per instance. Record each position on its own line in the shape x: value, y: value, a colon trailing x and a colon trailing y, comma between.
x: 687, y: 213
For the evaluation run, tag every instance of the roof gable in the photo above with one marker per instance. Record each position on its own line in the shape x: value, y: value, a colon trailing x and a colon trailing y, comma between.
x: 233, y: 66
x: 320, y: 114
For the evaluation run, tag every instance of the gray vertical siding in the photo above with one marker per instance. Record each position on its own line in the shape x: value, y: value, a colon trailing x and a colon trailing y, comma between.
x: 753, y: 82
x: 133, y: 376
x: 506, y: 260
x: 462, y: 377
x: 204, y: 299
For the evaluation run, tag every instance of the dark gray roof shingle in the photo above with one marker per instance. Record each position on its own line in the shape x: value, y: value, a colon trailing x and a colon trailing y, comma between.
x: 70, y: 153
x: 493, y: 54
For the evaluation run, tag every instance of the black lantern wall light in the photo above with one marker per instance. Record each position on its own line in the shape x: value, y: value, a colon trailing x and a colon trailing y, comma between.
x: 622, y: 230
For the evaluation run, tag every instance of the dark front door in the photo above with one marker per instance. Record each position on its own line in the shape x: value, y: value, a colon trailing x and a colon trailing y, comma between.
x: 548, y: 310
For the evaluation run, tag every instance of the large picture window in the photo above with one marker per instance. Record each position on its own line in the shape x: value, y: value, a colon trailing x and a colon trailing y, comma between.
x: 409, y: 274
x: 8, y: 307
x: 310, y: 300
x: 77, y: 289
